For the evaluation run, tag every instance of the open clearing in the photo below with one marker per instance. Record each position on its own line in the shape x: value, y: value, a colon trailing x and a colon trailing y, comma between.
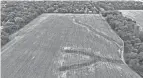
x: 65, y: 46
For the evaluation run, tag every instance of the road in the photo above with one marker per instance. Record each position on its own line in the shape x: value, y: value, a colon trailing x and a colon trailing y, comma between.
x: 65, y: 46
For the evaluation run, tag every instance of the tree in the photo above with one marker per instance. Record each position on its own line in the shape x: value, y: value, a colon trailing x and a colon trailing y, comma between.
x: 19, y: 20
x: 135, y: 40
x: 133, y: 62
x: 4, y: 38
x: 7, y: 26
x: 141, y: 48
x: 128, y: 48
x: 61, y: 10
x: 121, y: 33
x: 50, y: 10
x: 131, y: 55
x: 135, y: 50
x: 113, y: 23
x: 8, y: 23
x: 3, y: 16
x: 140, y: 56
x: 141, y: 35
x: 136, y: 45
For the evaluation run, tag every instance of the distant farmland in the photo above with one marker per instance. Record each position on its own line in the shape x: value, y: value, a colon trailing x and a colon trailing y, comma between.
x: 65, y: 46
x: 136, y: 15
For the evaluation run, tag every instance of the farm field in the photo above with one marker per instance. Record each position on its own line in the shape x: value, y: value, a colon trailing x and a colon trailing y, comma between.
x: 136, y: 15
x: 65, y: 46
